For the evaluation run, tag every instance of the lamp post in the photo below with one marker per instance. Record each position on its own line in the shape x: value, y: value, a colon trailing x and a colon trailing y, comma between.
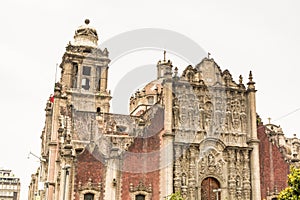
x: 40, y: 185
x: 217, y: 191
x: 66, y: 167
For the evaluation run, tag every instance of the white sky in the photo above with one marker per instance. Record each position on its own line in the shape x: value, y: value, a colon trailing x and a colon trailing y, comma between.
x: 262, y: 36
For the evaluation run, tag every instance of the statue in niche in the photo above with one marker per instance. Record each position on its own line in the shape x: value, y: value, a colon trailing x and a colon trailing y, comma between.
x: 238, y: 157
x: 183, y: 119
x: 211, y: 160
x: 246, y: 176
x: 183, y: 180
x: 190, y: 118
x: 211, y: 163
x: 238, y: 182
x: 176, y: 112
x: 201, y: 117
x: 218, y: 120
x: 235, y: 115
x: 234, y: 137
x: 223, y: 125
x: 243, y: 106
x: 202, y: 166
x: 218, y: 104
x: 219, y: 166
x: 228, y: 121
x: 208, y: 95
x: 243, y: 123
x: 201, y: 99
x: 208, y: 115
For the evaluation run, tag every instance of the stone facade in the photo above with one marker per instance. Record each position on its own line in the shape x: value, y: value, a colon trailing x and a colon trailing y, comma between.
x: 195, y: 133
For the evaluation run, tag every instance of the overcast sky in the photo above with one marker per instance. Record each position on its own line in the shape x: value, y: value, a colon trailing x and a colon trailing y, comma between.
x: 262, y: 36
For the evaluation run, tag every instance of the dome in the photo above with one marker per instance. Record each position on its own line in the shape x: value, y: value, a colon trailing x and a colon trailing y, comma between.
x: 146, y: 97
x: 86, y: 35
x: 153, y: 87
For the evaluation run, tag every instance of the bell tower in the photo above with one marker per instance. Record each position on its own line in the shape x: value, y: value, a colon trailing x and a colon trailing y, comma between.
x: 84, y: 71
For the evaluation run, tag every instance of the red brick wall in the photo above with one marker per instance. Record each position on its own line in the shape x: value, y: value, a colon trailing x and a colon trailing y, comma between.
x: 87, y: 166
x: 143, y: 157
x: 270, y: 155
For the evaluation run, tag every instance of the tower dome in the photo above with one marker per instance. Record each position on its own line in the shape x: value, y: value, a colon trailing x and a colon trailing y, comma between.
x: 86, y: 35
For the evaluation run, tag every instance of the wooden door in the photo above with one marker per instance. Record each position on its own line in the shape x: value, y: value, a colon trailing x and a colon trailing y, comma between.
x: 207, y: 187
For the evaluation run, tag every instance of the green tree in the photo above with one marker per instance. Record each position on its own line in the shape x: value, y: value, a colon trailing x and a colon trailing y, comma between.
x: 175, y: 196
x: 292, y: 192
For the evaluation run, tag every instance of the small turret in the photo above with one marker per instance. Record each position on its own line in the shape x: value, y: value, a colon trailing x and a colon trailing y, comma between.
x: 164, y: 68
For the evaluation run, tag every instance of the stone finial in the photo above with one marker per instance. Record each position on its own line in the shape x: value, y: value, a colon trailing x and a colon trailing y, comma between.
x: 87, y: 21
x: 250, y: 76
x: 251, y: 83
x: 165, y: 55
x: 176, y: 72
x: 241, y: 79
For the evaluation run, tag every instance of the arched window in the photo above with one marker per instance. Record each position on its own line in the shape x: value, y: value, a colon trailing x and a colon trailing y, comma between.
x: 85, y: 81
x: 89, y: 196
x: 86, y: 71
x: 74, y: 75
x: 98, y: 110
x: 140, y: 197
x: 98, y: 75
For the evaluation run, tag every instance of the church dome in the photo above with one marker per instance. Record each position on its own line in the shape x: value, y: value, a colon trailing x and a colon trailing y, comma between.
x: 146, y: 97
x: 153, y: 87
x: 86, y: 35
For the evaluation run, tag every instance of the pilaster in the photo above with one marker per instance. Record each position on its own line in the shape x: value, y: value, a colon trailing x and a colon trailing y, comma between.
x: 167, y: 148
x: 253, y: 141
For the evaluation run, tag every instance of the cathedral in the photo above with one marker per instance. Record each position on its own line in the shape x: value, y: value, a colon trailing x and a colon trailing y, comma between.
x: 196, y: 133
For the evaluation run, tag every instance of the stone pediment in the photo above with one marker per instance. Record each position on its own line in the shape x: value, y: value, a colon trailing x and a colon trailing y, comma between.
x: 209, y: 73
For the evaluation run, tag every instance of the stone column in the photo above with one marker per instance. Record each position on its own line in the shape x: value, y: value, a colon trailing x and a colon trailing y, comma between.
x: 177, y: 170
x: 111, y: 181
x: 67, y: 72
x: 246, y: 175
x: 192, y: 173
x: 53, y: 145
x: 231, y: 174
x: 167, y: 148
x: 253, y: 141
x: 103, y: 78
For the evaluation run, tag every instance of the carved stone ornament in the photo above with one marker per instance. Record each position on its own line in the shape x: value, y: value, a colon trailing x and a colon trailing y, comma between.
x: 211, y: 163
x: 140, y: 187
x: 90, y: 186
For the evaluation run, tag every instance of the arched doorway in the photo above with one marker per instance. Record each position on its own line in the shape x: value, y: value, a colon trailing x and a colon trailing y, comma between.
x: 207, y: 186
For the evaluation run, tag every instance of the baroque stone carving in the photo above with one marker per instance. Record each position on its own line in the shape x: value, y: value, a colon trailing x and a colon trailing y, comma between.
x: 90, y: 186
x: 211, y: 163
x: 140, y: 187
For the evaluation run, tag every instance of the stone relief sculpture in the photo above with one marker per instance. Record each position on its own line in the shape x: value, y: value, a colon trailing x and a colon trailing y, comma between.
x: 176, y: 113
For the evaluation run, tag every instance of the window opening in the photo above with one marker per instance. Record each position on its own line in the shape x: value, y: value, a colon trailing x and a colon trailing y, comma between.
x: 86, y: 71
